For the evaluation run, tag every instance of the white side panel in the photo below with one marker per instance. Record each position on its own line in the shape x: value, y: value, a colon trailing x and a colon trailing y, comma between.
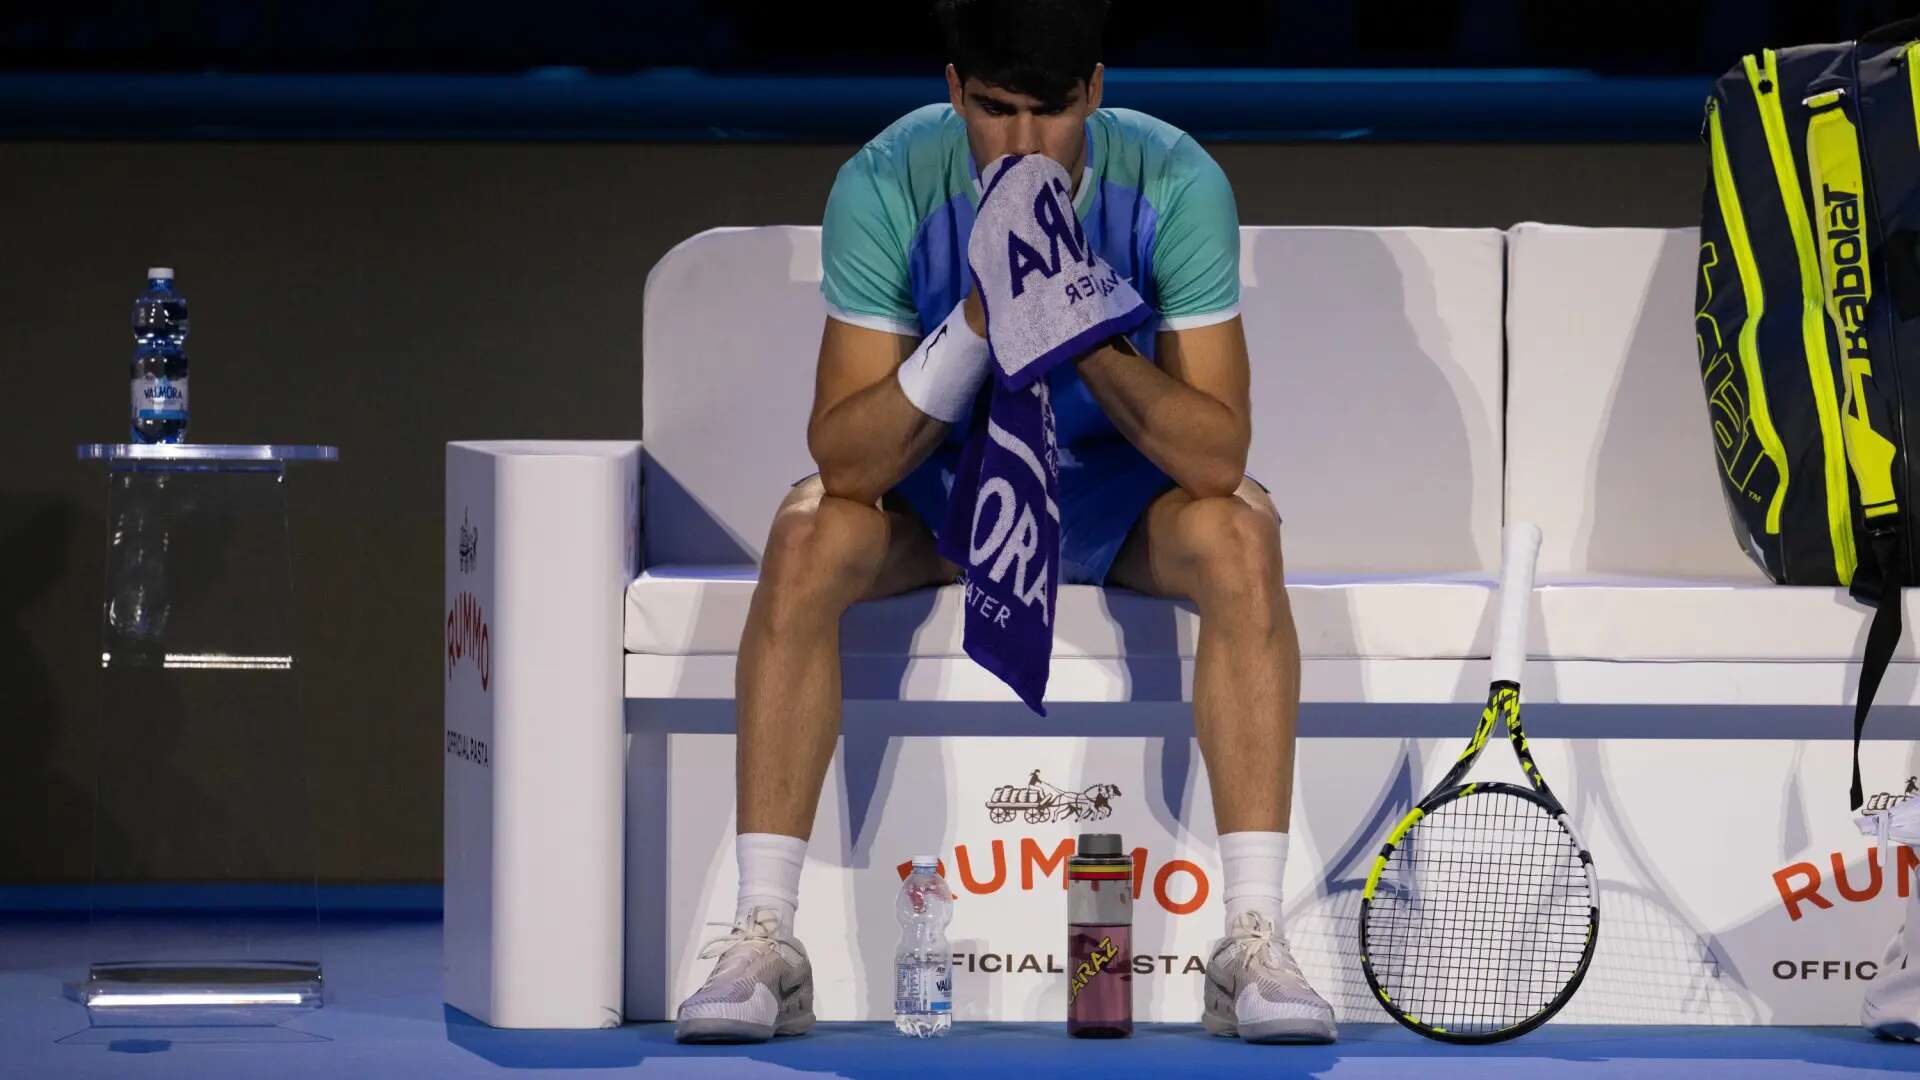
x: 467, y: 665
x: 1735, y: 889
x: 549, y: 907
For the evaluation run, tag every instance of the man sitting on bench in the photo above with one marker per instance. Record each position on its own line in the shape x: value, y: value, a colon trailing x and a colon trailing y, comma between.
x: 1153, y: 435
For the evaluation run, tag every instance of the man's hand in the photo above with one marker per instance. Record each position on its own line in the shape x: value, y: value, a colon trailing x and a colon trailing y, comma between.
x: 1049, y: 291
x: 976, y: 313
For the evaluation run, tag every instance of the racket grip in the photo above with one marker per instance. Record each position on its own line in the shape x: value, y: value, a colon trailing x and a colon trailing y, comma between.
x: 1516, y: 601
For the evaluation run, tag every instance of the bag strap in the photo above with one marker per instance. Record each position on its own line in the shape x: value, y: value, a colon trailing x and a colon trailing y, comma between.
x: 1901, y: 30
x: 1882, y: 636
x: 1835, y: 168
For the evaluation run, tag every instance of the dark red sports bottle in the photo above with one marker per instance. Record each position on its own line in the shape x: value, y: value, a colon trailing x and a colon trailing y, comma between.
x: 1099, y: 939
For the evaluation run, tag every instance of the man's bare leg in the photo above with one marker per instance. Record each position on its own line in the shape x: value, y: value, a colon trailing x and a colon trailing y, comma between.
x: 1224, y: 555
x: 823, y: 554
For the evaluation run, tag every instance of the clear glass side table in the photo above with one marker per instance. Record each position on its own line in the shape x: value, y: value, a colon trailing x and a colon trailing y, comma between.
x: 204, y: 906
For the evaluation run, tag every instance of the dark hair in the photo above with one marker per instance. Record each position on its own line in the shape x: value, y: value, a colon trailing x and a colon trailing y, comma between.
x: 1041, y: 48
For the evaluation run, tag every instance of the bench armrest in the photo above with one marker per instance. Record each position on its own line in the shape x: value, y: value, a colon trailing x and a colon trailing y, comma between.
x: 541, y: 540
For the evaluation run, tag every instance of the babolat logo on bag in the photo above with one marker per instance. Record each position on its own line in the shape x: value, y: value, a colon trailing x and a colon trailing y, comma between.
x: 1846, y: 277
x: 1808, y: 316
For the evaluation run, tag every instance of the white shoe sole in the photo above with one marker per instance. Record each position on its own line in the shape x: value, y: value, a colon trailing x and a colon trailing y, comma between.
x: 1284, y: 1030
x: 721, y: 1029
x: 1289, y: 1031
x: 1897, y: 1030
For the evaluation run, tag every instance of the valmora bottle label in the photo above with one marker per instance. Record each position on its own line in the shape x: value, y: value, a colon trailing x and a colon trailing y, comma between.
x: 156, y: 397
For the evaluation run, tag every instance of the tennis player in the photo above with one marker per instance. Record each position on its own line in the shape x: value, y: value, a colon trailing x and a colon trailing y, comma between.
x: 1153, y: 436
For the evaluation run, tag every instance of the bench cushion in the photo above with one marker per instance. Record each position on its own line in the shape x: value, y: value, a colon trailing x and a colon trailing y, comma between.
x: 696, y: 610
x: 1623, y: 618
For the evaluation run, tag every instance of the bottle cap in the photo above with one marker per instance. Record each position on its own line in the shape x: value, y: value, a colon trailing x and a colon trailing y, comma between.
x: 926, y: 862
x: 164, y: 273
x: 1098, y: 844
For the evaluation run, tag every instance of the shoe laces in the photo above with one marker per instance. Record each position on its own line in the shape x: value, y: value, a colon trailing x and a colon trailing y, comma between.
x: 759, y: 930
x: 1265, y: 946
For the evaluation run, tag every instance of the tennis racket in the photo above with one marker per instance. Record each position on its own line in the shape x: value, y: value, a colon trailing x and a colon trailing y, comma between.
x: 1481, y: 912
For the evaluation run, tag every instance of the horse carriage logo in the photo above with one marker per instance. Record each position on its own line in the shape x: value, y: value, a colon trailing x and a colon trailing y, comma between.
x: 1040, y: 802
x: 469, y: 544
x: 1881, y: 802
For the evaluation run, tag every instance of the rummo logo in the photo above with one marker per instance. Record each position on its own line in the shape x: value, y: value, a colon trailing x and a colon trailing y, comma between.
x: 1039, y: 802
x: 1180, y: 887
x: 469, y: 638
x: 1804, y: 888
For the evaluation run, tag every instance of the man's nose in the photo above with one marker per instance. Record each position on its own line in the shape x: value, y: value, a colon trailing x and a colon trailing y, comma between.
x: 1026, y: 134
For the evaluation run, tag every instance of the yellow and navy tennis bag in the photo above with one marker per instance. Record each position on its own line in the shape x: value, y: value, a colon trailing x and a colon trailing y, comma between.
x: 1808, y: 317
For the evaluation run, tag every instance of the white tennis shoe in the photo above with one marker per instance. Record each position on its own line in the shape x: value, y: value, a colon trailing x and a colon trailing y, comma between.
x: 1891, y: 1008
x: 1256, y: 991
x: 761, y: 986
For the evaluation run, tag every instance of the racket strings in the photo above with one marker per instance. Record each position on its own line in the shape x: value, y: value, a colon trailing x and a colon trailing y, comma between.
x: 1481, y: 915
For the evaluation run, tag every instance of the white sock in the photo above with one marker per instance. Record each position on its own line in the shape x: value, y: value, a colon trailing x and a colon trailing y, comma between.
x: 769, y: 875
x: 1253, y: 864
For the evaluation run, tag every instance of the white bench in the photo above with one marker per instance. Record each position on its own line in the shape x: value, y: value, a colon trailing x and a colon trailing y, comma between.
x: 1392, y: 426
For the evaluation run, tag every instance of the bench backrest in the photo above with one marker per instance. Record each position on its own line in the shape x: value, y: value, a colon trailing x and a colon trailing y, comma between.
x: 1376, y: 389
x: 1608, y: 445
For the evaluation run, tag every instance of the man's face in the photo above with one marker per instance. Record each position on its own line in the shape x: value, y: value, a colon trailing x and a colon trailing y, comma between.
x: 1001, y: 122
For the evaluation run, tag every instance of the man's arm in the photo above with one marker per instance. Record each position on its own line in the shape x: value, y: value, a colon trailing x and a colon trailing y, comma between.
x: 1190, y: 414
x: 864, y: 434
x: 868, y: 428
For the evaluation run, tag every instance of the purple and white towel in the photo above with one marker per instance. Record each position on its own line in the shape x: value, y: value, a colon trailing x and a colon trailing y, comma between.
x: 1049, y: 300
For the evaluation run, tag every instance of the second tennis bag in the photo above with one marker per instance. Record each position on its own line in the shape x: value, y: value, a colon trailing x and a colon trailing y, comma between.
x: 1807, y: 317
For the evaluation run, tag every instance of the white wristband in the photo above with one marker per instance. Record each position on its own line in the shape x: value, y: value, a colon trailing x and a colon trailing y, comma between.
x: 944, y: 374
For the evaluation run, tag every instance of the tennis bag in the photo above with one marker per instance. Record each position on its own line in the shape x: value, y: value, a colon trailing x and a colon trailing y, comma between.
x: 1808, y: 318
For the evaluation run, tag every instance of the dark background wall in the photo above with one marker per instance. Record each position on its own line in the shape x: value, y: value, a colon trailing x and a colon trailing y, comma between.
x: 390, y: 297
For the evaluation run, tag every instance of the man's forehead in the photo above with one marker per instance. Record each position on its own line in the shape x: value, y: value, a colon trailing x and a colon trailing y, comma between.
x: 986, y: 91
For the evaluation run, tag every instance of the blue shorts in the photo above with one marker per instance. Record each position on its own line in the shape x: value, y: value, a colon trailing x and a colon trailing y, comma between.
x: 1105, y: 485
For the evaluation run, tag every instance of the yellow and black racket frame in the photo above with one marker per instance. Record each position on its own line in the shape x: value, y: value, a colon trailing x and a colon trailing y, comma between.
x: 1503, y: 707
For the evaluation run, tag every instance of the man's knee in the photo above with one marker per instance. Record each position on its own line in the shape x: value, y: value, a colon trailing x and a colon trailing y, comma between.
x: 1235, y: 547
x: 821, y: 552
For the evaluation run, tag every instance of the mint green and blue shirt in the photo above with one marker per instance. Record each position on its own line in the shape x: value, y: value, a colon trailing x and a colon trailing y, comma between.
x: 1154, y: 205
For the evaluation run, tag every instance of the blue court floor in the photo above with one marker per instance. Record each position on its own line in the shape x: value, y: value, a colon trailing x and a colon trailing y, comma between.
x: 384, y: 1018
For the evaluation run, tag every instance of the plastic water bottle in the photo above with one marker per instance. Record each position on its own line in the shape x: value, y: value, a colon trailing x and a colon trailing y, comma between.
x: 160, y: 361
x: 923, y: 964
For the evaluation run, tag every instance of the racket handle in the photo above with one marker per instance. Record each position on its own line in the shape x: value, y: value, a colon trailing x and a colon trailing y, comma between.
x: 1516, y: 601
